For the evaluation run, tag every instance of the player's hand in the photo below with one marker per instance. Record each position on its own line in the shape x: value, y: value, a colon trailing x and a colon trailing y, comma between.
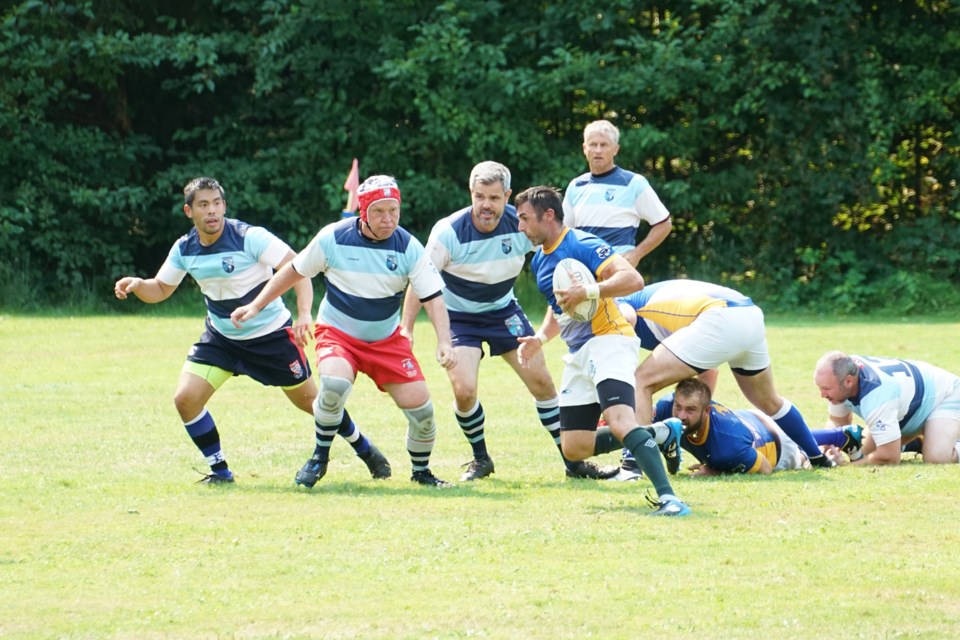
x: 126, y: 286
x: 699, y: 470
x: 407, y: 333
x: 302, y: 330
x: 529, y: 346
x: 835, y: 454
x: 242, y: 314
x: 569, y: 298
x: 446, y: 356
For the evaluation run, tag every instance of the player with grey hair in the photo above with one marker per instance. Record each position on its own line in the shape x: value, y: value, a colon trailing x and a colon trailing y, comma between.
x: 611, y: 202
x: 900, y: 400
x: 480, y: 251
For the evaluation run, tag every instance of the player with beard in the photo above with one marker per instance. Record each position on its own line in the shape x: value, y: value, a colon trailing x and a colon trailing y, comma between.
x: 727, y: 440
x: 480, y: 251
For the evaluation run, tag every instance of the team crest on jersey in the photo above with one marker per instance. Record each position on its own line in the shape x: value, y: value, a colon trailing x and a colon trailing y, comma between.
x: 391, y: 263
x: 608, y: 195
x: 506, y: 245
x: 227, y: 264
x: 604, y: 252
x: 296, y: 369
x: 409, y: 368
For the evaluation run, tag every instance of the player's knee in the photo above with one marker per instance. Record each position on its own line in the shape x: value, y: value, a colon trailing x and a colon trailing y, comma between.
x: 188, y: 404
x: 575, y: 451
x: 940, y: 455
x: 465, y: 395
x: 421, y: 425
x: 331, y: 399
x: 577, y: 445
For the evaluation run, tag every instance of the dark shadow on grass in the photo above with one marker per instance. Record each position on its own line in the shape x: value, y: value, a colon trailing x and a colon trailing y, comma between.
x: 382, y: 488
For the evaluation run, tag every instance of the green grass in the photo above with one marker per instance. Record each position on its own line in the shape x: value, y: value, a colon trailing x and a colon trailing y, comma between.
x: 104, y: 535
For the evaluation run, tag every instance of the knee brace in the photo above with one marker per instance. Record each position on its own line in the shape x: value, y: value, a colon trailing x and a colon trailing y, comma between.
x: 328, y: 407
x: 421, y: 425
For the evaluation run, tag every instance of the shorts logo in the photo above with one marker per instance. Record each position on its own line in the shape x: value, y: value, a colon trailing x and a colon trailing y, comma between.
x: 592, y: 368
x: 878, y: 426
x: 604, y: 252
x: 408, y: 367
x: 514, y: 325
x: 296, y: 369
x: 608, y: 195
x: 506, y: 245
x: 391, y: 263
x: 227, y: 264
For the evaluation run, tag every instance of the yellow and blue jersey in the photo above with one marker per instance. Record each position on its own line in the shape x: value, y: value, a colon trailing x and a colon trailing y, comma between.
x: 729, y: 440
x: 595, y: 254
x: 663, y: 308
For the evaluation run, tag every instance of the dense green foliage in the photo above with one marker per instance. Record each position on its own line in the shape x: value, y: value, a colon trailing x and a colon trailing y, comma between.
x: 805, y: 149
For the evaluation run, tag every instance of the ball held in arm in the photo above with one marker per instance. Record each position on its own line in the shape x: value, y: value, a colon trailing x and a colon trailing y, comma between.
x: 570, y: 271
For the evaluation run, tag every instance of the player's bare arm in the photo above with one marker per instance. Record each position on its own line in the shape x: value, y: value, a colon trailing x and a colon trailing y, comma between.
x: 279, y: 284
x: 437, y: 312
x: 408, y: 318
x: 150, y: 290
x: 303, y: 323
x: 618, y: 278
x: 654, y: 238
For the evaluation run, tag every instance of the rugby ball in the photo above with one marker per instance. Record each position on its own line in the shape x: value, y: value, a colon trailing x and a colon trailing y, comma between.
x: 569, y: 272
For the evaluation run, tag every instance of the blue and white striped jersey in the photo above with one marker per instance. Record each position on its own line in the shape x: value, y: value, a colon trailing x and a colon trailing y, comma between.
x: 230, y: 273
x: 895, y: 397
x: 366, y: 279
x: 478, y: 268
x: 611, y: 206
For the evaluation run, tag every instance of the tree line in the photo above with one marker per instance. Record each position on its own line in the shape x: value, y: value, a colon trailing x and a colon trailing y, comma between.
x: 806, y: 150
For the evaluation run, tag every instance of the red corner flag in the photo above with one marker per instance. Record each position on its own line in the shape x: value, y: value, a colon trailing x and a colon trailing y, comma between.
x: 352, y: 185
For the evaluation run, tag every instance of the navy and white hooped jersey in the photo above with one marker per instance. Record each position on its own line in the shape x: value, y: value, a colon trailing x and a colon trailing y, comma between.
x: 895, y: 397
x: 230, y: 273
x: 366, y: 279
x: 478, y: 268
x: 595, y: 254
x: 611, y: 206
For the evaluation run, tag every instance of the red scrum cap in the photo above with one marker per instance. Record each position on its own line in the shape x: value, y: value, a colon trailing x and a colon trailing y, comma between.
x: 375, y: 189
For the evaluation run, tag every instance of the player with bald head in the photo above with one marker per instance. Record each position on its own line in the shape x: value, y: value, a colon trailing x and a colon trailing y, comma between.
x: 900, y: 400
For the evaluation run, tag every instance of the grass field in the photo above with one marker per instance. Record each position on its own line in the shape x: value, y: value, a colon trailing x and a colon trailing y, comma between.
x: 103, y: 533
